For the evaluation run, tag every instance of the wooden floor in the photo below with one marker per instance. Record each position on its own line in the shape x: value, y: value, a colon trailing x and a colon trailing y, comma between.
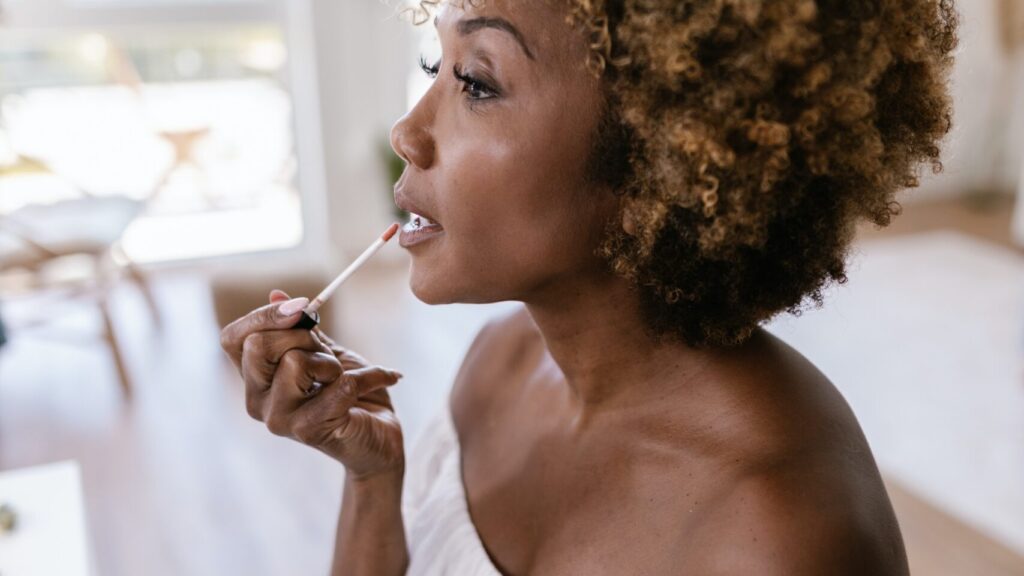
x: 986, y: 216
x: 939, y: 544
x: 182, y: 482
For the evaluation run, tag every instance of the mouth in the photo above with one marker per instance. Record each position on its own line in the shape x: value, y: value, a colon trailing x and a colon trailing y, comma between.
x: 420, y: 228
x: 417, y: 230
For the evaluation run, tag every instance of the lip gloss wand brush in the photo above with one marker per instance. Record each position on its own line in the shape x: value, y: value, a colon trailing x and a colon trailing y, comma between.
x: 310, y: 316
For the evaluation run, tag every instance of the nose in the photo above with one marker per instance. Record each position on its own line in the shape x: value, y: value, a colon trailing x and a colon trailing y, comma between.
x: 411, y: 140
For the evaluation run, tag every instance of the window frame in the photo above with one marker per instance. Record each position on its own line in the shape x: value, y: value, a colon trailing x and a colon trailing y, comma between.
x: 296, y: 22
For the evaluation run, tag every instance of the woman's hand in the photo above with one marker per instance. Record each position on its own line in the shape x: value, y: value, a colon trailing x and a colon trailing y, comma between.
x: 304, y: 386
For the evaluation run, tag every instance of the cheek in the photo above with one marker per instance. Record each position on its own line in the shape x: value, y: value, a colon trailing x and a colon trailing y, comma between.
x: 511, y: 201
x: 510, y: 205
x: 517, y: 184
x: 499, y: 244
x: 491, y: 250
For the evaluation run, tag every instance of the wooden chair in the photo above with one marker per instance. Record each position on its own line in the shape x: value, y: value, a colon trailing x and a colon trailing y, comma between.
x: 37, y: 238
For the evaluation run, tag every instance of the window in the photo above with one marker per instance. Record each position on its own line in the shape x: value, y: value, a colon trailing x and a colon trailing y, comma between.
x: 186, y: 106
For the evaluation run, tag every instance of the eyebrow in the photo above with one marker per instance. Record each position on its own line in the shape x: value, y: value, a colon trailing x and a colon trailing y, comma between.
x: 467, y: 27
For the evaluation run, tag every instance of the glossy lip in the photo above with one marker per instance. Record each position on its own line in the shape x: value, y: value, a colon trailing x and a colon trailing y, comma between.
x: 408, y: 239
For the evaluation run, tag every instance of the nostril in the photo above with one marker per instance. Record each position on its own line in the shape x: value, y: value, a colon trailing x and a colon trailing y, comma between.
x: 416, y: 147
x: 411, y: 140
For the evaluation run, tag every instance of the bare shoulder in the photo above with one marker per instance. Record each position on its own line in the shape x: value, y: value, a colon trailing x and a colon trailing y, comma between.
x: 806, y: 497
x: 501, y: 352
x: 773, y: 525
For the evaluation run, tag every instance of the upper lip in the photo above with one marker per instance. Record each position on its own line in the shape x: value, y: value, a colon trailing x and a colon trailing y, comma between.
x: 405, y: 202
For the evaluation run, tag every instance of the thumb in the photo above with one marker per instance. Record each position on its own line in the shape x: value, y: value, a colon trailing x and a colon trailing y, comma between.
x: 275, y: 316
x: 277, y: 296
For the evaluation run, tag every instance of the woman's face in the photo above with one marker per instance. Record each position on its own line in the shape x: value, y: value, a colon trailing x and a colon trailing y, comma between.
x: 497, y: 153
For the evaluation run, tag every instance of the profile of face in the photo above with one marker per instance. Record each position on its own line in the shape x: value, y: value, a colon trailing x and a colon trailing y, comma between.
x: 497, y: 153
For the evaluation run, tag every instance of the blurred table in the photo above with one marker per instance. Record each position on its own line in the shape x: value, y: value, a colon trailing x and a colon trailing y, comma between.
x: 50, y: 536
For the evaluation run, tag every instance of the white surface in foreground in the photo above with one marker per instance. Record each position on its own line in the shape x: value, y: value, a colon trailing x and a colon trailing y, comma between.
x: 50, y: 536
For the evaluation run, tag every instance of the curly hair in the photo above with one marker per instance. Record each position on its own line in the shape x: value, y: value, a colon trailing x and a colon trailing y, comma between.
x: 747, y: 138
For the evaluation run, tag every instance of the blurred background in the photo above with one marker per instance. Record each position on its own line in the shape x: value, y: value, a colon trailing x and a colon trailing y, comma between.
x: 165, y: 163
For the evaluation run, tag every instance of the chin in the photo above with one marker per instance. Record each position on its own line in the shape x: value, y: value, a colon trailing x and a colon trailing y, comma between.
x: 434, y: 286
x: 426, y: 295
x: 430, y: 287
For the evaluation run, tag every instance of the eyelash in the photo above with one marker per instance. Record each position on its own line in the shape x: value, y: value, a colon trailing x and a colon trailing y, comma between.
x: 471, y: 84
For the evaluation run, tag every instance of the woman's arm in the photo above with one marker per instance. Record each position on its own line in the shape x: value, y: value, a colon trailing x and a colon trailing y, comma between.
x: 305, y: 387
x: 371, y: 535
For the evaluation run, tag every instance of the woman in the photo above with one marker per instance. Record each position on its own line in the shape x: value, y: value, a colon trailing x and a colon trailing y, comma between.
x: 653, y: 179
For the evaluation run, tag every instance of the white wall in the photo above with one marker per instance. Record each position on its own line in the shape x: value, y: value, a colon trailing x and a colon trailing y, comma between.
x: 363, y: 56
x: 984, y: 150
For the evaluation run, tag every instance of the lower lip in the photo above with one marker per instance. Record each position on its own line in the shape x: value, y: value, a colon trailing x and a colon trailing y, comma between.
x: 410, y: 238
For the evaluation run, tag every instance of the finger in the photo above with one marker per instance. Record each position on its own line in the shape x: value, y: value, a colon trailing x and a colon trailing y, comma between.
x: 325, y: 338
x: 269, y: 317
x: 379, y: 397
x: 350, y: 360
x: 371, y: 378
x: 262, y: 352
x: 298, y: 374
x: 279, y: 297
x: 328, y: 411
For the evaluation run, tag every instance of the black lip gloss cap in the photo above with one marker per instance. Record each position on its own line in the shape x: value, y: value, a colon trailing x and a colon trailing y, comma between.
x: 308, y: 321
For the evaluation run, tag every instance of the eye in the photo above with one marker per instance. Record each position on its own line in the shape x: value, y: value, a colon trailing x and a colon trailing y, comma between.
x: 430, y: 70
x: 476, y: 89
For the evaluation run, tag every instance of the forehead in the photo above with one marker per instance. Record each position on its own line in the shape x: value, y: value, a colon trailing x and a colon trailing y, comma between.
x: 542, y: 24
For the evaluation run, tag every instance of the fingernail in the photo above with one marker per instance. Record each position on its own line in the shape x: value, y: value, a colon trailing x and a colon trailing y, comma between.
x: 397, y: 375
x: 293, y: 307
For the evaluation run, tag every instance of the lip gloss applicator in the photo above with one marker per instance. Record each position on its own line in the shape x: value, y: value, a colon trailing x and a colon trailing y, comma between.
x: 310, y: 316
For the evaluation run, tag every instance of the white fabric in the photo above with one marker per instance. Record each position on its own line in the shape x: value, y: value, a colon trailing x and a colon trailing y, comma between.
x: 441, y: 536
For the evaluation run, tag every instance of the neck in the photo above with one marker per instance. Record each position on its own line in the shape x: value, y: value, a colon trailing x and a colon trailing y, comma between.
x: 594, y: 331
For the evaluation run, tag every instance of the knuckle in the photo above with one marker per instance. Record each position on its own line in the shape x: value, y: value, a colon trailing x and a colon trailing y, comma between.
x: 257, y: 382
x: 332, y: 369
x: 292, y: 361
x: 254, y: 344
x: 306, y: 433
x: 254, y: 406
x: 226, y: 339
x: 345, y: 432
x: 278, y: 424
x: 348, y: 384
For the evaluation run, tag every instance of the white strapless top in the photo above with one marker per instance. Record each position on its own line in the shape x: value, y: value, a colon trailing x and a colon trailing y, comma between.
x: 441, y: 537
